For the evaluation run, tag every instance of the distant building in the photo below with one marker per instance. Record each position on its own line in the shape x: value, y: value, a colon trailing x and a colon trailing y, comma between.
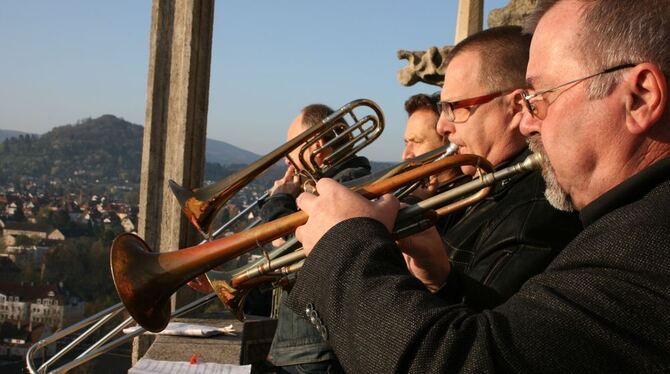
x: 47, y: 304
x: 10, y: 208
x: 127, y: 224
x: 31, y: 230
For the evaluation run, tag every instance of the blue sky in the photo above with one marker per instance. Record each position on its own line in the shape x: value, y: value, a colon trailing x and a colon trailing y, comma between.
x: 66, y: 60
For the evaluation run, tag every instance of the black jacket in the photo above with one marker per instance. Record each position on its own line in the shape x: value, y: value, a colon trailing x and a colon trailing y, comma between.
x: 503, y: 240
x: 602, y: 305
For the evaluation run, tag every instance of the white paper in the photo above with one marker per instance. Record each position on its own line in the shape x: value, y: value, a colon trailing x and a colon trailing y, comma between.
x: 189, y: 329
x: 149, y: 366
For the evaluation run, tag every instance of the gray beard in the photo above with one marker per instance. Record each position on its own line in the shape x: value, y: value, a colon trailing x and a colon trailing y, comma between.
x: 556, y: 196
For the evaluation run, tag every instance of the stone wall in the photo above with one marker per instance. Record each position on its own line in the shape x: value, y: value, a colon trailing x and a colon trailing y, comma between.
x: 427, y: 66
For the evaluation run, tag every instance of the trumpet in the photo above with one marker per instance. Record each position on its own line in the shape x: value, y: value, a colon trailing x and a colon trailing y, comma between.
x: 234, y: 285
x: 201, y: 205
x: 145, y: 280
x: 224, y: 282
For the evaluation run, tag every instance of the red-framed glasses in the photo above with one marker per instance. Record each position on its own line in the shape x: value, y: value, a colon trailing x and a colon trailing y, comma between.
x: 460, y: 110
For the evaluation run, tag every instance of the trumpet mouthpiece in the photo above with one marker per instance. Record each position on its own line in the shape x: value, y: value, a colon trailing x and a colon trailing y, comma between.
x: 533, y: 162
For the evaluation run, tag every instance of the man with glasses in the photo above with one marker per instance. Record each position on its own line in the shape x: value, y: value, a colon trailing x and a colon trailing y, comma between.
x: 514, y: 233
x: 603, y: 303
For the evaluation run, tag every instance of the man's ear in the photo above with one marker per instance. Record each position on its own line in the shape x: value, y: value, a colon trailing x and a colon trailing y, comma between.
x: 514, y: 109
x: 647, y: 96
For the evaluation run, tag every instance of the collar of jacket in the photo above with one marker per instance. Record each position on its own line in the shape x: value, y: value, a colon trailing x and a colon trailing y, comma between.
x: 628, y: 191
x: 499, y: 187
x: 358, y: 166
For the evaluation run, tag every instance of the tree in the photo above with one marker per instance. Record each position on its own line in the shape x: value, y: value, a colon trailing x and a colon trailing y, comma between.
x: 61, y: 220
x: 18, y: 214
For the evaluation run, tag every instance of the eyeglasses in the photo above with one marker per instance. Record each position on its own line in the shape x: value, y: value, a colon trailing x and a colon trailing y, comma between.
x: 459, y: 111
x: 538, y: 105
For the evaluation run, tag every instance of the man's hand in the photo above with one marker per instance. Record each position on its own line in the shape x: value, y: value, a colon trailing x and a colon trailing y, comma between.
x: 335, y: 204
x: 289, y: 183
x: 426, y: 258
x: 427, y: 188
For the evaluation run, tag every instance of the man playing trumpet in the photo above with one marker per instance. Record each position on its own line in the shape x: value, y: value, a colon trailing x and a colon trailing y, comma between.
x: 497, y: 244
x: 297, y: 346
x: 597, y: 107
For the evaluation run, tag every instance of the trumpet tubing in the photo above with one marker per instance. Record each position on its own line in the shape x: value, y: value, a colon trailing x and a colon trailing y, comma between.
x: 407, y: 223
x: 201, y: 205
x: 145, y: 280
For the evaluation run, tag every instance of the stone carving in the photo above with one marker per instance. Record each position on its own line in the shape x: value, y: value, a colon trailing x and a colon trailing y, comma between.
x: 512, y: 14
x: 423, y: 66
x: 428, y: 66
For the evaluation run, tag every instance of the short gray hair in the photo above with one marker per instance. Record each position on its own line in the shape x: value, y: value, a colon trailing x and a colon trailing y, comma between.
x: 617, y: 32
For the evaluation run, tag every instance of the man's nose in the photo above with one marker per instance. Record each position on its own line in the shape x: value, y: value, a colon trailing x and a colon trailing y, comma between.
x: 529, y: 125
x: 444, y: 126
x: 407, y: 153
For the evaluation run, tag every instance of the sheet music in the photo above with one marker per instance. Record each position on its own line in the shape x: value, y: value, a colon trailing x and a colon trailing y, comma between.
x: 149, y: 366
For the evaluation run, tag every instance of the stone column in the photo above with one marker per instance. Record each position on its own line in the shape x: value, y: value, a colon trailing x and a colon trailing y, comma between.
x: 470, y: 18
x: 175, y: 124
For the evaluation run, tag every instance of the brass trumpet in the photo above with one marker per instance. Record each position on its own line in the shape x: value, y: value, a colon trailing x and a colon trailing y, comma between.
x: 201, y: 205
x: 233, y: 286
x: 145, y: 280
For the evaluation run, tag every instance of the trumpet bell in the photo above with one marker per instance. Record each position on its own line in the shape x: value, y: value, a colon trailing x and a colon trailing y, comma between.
x: 135, y: 278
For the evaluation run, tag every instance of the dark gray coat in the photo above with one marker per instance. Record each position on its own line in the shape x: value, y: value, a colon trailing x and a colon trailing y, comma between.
x: 603, y: 305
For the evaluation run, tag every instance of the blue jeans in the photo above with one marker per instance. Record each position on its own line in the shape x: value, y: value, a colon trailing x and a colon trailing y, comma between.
x: 297, y: 342
x: 329, y: 367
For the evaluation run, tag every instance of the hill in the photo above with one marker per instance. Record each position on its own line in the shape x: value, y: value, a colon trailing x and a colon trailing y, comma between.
x: 216, y: 151
x: 4, y: 134
x: 223, y: 153
x: 105, y: 149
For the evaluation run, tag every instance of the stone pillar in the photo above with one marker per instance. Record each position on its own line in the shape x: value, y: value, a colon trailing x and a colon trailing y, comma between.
x: 175, y: 124
x: 470, y: 18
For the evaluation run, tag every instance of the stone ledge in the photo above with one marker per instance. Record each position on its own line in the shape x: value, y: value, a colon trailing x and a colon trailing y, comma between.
x: 250, y: 346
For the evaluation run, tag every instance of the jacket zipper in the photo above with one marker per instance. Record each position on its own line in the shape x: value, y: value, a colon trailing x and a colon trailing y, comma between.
x: 496, y: 267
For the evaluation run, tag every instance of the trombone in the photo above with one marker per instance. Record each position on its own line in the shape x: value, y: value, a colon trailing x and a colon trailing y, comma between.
x: 201, y: 205
x: 350, y: 140
x: 233, y: 298
x: 289, y: 257
x: 145, y: 280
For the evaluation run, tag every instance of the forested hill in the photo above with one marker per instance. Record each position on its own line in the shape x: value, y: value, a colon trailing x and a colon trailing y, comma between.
x: 4, y: 134
x: 107, y: 148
